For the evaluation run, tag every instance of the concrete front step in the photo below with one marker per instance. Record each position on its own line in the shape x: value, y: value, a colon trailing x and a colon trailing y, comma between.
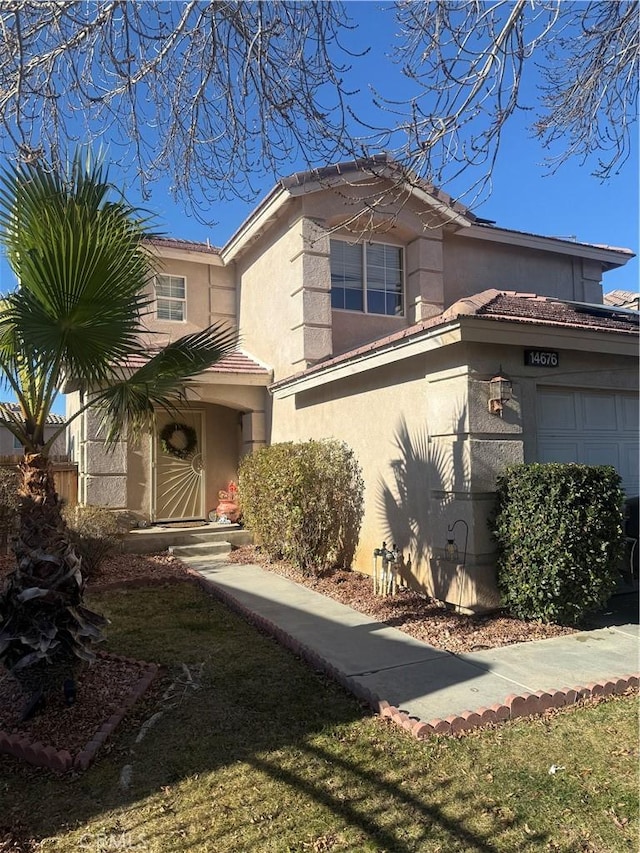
x: 200, y: 549
x: 158, y: 538
x: 154, y: 539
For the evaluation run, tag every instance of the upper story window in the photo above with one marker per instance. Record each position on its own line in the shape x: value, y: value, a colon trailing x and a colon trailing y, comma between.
x: 171, y: 298
x: 367, y: 277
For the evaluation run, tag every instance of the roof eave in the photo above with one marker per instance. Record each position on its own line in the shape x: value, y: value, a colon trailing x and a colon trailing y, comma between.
x: 521, y: 332
x: 255, y: 224
x: 609, y: 257
x: 421, y: 342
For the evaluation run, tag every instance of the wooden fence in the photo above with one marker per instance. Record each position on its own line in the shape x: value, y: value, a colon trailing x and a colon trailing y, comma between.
x: 65, y: 474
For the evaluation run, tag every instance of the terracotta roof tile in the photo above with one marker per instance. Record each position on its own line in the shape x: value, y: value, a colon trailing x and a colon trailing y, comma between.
x: 239, y: 362
x: 623, y: 299
x: 187, y: 245
x: 369, y: 165
x: 53, y: 419
x: 234, y: 362
x: 535, y: 309
x: 497, y: 305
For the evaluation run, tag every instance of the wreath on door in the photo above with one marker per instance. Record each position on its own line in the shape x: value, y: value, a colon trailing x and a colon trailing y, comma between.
x: 179, y: 440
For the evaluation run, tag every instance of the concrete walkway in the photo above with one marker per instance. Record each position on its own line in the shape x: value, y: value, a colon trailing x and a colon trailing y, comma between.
x: 417, y: 684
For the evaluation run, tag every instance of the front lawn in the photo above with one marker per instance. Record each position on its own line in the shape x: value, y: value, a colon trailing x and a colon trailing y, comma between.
x: 241, y: 747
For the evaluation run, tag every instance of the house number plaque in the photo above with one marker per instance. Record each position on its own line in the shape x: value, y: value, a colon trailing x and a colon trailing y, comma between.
x: 541, y: 358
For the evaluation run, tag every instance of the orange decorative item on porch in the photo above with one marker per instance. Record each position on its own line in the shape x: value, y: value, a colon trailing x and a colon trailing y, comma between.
x: 228, y: 505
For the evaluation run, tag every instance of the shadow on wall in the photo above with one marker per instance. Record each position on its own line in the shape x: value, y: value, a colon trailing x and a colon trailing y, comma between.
x: 414, y: 507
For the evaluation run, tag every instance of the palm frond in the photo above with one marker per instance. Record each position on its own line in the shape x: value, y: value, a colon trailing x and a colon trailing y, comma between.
x: 130, y: 400
x: 82, y: 270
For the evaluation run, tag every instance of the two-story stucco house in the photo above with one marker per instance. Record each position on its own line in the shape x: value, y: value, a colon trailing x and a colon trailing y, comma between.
x: 375, y: 310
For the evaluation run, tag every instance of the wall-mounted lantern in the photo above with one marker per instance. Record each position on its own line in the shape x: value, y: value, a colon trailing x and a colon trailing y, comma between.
x: 500, y: 391
x: 451, y: 550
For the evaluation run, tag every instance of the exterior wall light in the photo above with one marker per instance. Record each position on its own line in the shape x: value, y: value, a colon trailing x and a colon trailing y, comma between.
x: 451, y: 550
x: 500, y: 391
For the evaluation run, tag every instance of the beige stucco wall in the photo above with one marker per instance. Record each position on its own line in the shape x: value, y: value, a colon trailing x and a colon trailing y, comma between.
x: 59, y: 447
x: 401, y: 222
x: 271, y: 299
x: 284, y: 278
x: 431, y: 451
x: 408, y: 425
x: 472, y: 265
x: 210, y: 298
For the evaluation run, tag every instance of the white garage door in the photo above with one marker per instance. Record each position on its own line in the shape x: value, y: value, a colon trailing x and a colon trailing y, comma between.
x: 594, y: 428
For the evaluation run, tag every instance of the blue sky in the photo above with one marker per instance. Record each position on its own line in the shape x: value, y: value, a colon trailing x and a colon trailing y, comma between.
x: 570, y: 203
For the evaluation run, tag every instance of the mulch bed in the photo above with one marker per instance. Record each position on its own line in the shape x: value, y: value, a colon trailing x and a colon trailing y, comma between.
x: 62, y: 737
x: 105, y: 691
x: 415, y: 614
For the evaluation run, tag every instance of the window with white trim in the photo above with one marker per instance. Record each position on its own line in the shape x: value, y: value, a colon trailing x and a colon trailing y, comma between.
x: 171, y: 300
x: 367, y: 277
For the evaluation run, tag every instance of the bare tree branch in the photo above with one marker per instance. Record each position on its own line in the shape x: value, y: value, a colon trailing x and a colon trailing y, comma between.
x: 208, y: 92
x: 216, y: 93
x: 467, y: 60
x: 591, y: 86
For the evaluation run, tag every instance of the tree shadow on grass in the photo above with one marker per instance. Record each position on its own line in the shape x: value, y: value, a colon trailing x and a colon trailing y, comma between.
x: 242, y: 759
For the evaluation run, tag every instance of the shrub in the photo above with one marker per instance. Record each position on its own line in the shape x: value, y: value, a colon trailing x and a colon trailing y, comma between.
x: 304, y: 502
x: 8, y: 504
x: 558, y: 528
x: 93, y: 530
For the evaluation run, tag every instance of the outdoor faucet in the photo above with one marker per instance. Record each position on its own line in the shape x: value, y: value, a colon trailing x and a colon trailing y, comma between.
x: 388, y: 556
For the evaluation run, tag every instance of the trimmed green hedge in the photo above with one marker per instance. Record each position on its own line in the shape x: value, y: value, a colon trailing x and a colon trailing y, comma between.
x: 559, y: 532
x: 304, y: 502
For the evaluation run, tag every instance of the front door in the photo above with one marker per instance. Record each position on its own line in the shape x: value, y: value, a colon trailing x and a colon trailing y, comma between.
x: 179, y: 466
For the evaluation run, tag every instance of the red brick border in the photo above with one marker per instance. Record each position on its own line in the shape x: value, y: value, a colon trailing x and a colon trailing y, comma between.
x: 512, y: 707
x: 61, y: 761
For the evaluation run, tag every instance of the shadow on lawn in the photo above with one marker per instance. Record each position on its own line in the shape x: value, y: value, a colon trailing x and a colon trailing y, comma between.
x: 247, y: 716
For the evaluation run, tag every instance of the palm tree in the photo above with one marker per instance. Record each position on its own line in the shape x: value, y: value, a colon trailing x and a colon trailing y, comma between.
x: 83, y: 271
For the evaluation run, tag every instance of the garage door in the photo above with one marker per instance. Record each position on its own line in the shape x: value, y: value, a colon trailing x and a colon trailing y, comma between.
x: 594, y: 428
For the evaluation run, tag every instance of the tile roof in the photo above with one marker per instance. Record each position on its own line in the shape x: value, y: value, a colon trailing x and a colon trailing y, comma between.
x: 234, y: 362
x: 53, y: 419
x: 623, y: 299
x: 370, y: 165
x: 239, y: 362
x: 525, y: 308
x: 187, y: 245
x: 497, y: 305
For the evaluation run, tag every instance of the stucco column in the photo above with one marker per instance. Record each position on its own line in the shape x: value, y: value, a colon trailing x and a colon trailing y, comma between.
x: 312, y: 297
x: 105, y: 472
x: 254, y: 432
x: 425, y: 282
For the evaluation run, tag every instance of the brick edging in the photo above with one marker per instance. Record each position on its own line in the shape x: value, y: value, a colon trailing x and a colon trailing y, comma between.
x: 512, y: 707
x: 61, y: 760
